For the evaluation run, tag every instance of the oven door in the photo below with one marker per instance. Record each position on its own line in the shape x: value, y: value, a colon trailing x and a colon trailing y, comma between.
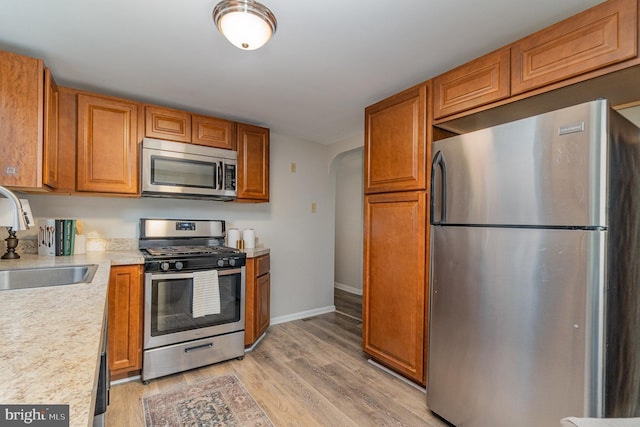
x: 169, y: 307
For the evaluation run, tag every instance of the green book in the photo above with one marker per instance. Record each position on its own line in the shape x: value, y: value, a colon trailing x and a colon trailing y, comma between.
x: 68, y: 236
x: 59, y: 233
x: 73, y: 236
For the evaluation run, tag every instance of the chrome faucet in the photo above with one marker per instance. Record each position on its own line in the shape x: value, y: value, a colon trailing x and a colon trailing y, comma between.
x: 20, y: 222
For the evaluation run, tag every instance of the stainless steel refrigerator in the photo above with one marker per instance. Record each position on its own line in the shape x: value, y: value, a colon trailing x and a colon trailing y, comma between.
x: 535, y: 271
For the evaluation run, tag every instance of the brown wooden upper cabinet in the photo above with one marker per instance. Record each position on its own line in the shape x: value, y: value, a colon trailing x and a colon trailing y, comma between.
x: 395, y: 138
x: 579, y: 48
x: 475, y: 83
x: 181, y: 126
x: 253, y: 163
x: 212, y: 132
x: 600, y: 36
x: 51, y: 124
x: 164, y: 123
x: 28, y: 122
x: 108, y: 136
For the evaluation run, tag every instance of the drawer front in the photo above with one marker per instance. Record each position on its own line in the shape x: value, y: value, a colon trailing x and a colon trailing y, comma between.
x: 471, y: 85
x: 598, y: 37
x: 263, y: 265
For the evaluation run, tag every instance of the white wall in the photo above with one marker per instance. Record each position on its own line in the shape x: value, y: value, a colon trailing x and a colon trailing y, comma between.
x: 301, y: 242
x: 349, y: 221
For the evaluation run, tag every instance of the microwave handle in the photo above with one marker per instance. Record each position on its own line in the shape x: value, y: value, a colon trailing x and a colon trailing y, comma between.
x: 220, y: 176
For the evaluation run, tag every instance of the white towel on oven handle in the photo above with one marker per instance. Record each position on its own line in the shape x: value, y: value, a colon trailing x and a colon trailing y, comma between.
x: 206, y: 293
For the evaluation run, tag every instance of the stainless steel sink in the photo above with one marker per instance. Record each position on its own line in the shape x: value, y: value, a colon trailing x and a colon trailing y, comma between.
x: 22, y: 278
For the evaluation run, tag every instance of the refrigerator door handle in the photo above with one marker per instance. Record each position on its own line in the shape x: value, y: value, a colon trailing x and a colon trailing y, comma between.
x: 438, y: 163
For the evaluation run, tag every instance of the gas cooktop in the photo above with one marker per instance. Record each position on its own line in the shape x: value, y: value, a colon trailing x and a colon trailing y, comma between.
x: 191, y: 250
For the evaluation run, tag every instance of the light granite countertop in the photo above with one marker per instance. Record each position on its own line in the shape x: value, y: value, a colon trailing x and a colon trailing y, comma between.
x: 255, y: 253
x: 50, y: 337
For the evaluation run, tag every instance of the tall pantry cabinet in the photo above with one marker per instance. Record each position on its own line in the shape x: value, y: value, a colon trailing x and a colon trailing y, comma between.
x: 395, y: 282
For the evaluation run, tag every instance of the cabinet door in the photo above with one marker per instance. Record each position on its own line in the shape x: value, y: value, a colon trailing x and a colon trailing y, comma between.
x: 212, y: 132
x: 395, y: 141
x: 395, y: 282
x: 253, y: 163
x: 263, y: 302
x: 164, y: 123
x: 67, y: 140
x: 51, y: 146
x: 251, y: 294
x: 257, y: 298
x: 125, y: 319
x: 600, y: 36
x: 473, y: 84
x: 21, y: 121
x: 107, y: 145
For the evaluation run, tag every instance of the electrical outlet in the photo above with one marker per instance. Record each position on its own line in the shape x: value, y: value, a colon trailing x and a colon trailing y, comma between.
x: 293, y: 167
x: 314, y: 207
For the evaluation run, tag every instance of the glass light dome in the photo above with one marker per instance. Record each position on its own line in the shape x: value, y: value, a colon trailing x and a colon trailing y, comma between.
x: 247, y: 24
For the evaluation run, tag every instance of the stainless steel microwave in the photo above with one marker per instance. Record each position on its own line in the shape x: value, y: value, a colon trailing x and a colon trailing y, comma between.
x: 181, y: 170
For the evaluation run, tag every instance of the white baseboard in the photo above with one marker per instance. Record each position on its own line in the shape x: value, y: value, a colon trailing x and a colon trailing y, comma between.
x: 398, y: 376
x: 126, y: 380
x: 250, y: 349
x: 347, y: 288
x: 302, y: 314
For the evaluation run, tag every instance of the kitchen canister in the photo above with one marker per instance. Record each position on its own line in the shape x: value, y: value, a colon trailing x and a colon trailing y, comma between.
x: 249, y: 237
x: 80, y: 246
x: 233, y: 235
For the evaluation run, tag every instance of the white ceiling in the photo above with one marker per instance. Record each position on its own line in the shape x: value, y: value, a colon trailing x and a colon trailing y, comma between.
x: 328, y: 60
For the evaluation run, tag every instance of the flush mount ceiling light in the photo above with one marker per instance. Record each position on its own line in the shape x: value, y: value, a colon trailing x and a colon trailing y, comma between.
x: 247, y: 24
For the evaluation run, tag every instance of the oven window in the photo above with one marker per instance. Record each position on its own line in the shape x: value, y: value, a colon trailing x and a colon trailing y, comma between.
x: 183, y: 173
x: 172, y: 305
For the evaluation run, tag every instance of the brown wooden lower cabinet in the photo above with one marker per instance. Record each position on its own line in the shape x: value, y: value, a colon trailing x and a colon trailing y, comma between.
x: 125, y: 320
x: 257, y: 298
x: 395, y: 282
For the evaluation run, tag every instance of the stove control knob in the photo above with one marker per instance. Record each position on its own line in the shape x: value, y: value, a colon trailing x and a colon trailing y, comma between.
x: 179, y: 265
x: 164, y: 266
x: 232, y: 262
x: 220, y: 262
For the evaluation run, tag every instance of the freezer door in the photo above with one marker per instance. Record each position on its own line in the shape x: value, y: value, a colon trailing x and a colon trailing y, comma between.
x: 515, y: 328
x: 548, y: 170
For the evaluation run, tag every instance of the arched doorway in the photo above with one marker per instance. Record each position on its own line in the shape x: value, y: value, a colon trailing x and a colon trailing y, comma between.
x: 349, y: 198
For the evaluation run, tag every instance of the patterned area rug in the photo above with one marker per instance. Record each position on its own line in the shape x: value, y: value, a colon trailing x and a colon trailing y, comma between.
x: 221, y: 401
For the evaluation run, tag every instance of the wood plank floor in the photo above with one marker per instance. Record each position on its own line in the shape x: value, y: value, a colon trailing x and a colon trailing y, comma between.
x: 308, y: 372
x: 348, y: 303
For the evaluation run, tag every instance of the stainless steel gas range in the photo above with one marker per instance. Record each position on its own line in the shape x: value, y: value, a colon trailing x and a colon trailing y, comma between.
x: 194, y: 296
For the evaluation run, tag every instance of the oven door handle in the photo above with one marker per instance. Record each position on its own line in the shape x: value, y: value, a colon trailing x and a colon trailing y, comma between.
x: 170, y: 276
